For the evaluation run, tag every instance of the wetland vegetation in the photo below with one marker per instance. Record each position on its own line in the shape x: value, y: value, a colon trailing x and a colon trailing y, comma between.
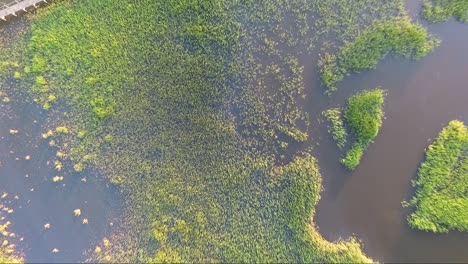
x: 337, y: 127
x: 193, y: 144
x: 364, y: 117
x: 398, y: 36
x: 190, y: 107
x: 361, y: 120
x: 440, y: 203
x: 441, y: 10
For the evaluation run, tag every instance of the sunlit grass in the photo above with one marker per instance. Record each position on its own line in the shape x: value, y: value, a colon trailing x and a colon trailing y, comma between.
x: 363, y: 116
x: 440, y: 201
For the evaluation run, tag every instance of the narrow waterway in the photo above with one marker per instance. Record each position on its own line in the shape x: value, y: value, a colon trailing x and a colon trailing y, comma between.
x: 423, y: 96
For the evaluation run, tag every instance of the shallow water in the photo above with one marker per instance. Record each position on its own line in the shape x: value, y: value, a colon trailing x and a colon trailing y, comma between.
x: 32, y: 194
x: 37, y: 200
x: 423, y: 96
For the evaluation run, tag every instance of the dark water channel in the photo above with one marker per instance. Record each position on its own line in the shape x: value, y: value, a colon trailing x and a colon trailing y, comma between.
x: 423, y: 96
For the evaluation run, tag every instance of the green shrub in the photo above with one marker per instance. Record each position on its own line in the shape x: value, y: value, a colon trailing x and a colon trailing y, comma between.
x: 364, y: 114
x: 40, y: 80
x: 440, y: 202
x: 79, y: 167
x: 62, y: 130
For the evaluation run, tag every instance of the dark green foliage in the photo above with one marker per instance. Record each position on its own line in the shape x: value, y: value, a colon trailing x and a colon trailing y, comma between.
x: 398, y: 36
x: 441, y: 10
x: 364, y: 118
x: 440, y: 202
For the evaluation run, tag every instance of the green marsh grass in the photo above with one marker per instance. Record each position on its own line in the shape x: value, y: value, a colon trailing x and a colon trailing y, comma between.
x: 364, y: 118
x: 442, y: 10
x: 440, y: 202
x: 397, y: 36
x: 337, y: 128
x: 195, y: 95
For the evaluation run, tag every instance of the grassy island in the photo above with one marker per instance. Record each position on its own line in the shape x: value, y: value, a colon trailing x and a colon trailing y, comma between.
x: 360, y: 121
x: 441, y: 10
x: 440, y: 202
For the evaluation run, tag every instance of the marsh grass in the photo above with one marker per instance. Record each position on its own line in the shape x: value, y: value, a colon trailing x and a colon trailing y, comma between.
x: 440, y: 202
x: 397, y: 36
x: 363, y: 116
x: 442, y: 10
x: 337, y: 128
x: 182, y: 103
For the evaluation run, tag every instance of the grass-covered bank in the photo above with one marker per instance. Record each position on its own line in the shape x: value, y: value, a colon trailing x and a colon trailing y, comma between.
x: 441, y: 10
x: 398, y: 36
x: 440, y: 202
x: 360, y: 121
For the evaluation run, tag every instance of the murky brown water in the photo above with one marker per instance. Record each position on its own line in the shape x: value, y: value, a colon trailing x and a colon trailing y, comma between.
x: 423, y: 96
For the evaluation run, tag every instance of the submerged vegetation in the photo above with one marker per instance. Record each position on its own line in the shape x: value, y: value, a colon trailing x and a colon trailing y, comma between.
x: 398, y: 36
x: 8, y: 251
x: 441, y: 10
x: 360, y: 121
x: 440, y: 202
x: 337, y: 128
x: 188, y: 106
x: 364, y: 118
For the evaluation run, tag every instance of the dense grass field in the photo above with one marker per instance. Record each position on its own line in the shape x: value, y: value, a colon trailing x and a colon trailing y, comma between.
x: 440, y: 201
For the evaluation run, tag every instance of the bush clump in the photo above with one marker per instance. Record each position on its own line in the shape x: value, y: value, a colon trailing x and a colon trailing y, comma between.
x: 440, y: 202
